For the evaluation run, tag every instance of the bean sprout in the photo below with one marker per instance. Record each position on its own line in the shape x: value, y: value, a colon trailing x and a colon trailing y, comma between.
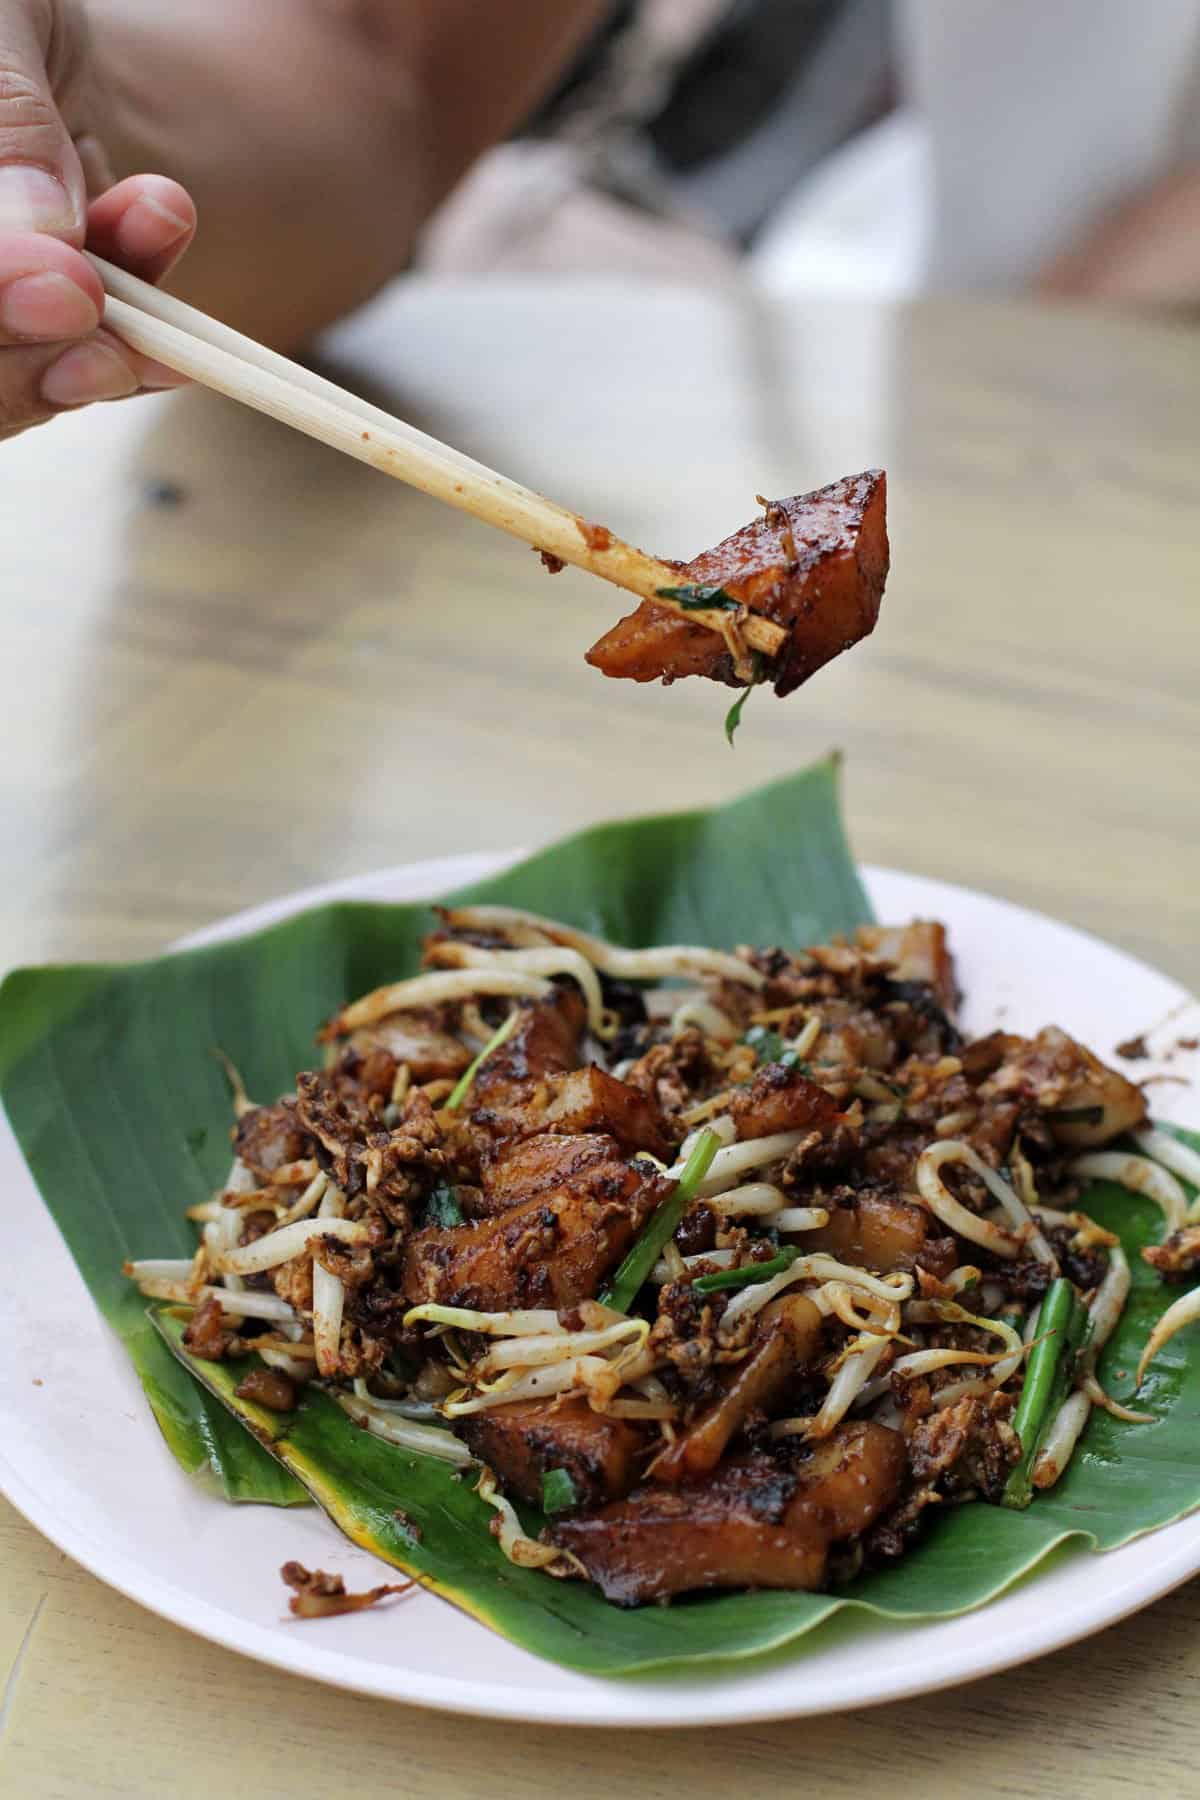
x: 1185, y: 1311
x: 328, y: 1295
x: 427, y: 1440
x: 524, y: 1551
x: 593, y: 1373
x: 962, y: 1220
x: 433, y: 990
x: 552, y: 960
x: 489, y: 1324
x: 280, y: 1246
x: 707, y: 1018
x: 1140, y: 1176
x: 1060, y: 1440
x: 752, y: 1299
x: 1180, y: 1158
x: 626, y: 965
x: 736, y: 1159
x: 755, y: 1199
x: 531, y: 1352
x: 800, y: 1218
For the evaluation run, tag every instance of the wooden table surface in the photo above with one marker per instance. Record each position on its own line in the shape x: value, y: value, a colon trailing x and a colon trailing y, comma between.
x: 235, y: 664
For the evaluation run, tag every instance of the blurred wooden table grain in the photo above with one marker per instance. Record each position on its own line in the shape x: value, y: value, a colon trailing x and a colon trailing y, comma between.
x: 234, y: 664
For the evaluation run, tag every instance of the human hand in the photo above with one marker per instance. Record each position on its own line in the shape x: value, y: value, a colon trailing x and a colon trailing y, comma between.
x: 1144, y: 254
x: 57, y: 194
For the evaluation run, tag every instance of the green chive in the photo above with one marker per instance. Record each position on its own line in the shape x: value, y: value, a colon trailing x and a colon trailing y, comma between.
x: 498, y: 1037
x: 625, y: 1285
x: 442, y: 1207
x: 747, y: 1276
x: 1061, y: 1327
x: 558, y: 1491
x: 698, y: 598
x: 733, y: 717
x: 768, y: 1046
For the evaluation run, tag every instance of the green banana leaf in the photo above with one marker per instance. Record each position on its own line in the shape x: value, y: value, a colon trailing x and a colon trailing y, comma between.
x: 123, y: 1117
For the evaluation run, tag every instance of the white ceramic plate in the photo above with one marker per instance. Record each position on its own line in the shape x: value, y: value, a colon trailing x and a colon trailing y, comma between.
x: 82, y: 1459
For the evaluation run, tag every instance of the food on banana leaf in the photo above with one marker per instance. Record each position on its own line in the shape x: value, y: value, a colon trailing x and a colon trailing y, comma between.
x: 733, y: 1266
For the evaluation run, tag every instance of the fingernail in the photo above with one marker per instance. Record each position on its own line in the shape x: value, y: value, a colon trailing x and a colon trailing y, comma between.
x: 48, y: 306
x: 157, y: 375
x: 31, y: 199
x: 88, y: 372
x: 146, y: 204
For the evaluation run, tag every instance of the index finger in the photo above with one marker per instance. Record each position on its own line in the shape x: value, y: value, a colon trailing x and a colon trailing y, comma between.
x: 144, y: 224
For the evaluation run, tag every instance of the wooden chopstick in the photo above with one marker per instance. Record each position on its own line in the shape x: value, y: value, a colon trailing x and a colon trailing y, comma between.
x: 189, y: 341
x: 120, y: 285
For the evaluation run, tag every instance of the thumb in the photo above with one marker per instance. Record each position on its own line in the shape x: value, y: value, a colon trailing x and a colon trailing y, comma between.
x: 42, y: 186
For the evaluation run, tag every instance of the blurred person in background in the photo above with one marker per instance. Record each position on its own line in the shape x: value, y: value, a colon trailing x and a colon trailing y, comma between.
x: 874, y: 147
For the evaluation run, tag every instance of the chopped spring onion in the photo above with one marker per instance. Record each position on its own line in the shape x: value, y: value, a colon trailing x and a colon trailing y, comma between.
x: 559, y: 1493
x: 733, y: 717
x: 500, y: 1036
x: 635, y: 1269
x: 1062, y: 1323
x: 767, y: 1044
x: 745, y: 1276
x: 442, y: 1206
x: 698, y: 596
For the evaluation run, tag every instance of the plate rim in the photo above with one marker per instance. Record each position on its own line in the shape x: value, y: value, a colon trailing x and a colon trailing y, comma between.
x: 585, y: 1703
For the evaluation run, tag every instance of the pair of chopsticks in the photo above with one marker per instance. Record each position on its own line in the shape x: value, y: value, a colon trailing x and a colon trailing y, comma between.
x: 200, y: 347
